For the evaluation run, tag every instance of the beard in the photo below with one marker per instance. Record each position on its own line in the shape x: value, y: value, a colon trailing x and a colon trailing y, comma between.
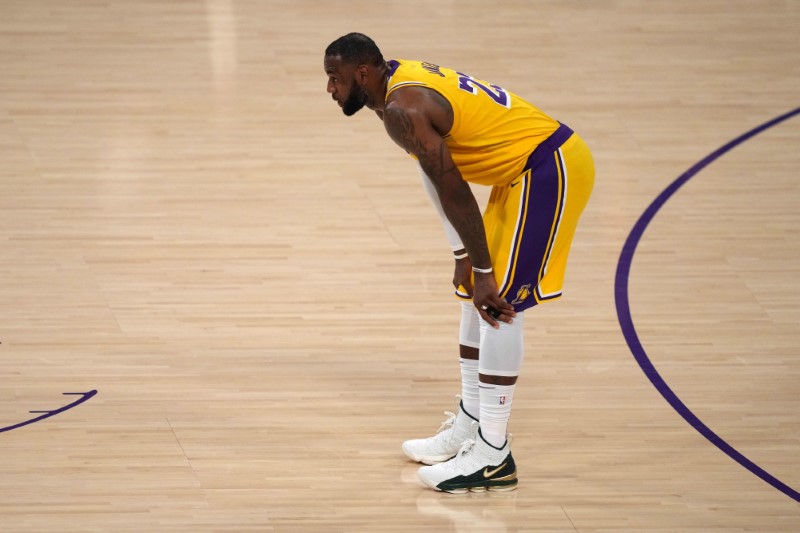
x: 355, y: 101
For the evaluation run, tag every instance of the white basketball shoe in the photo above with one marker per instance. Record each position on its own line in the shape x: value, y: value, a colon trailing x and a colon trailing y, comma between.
x: 477, y: 467
x: 448, y: 439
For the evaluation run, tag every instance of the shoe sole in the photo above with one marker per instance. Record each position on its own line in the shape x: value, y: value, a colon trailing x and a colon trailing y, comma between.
x: 481, y: 488
x: 496, y: 484
x: 428, y: 459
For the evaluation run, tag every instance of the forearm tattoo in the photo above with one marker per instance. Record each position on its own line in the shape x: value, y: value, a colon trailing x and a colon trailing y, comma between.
x: 456, y: 197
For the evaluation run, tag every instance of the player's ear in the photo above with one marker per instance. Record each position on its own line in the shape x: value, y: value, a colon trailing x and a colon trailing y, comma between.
x: 362, y: 74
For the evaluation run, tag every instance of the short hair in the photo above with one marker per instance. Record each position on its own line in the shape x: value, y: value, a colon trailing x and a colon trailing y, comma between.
x: 355, y: 48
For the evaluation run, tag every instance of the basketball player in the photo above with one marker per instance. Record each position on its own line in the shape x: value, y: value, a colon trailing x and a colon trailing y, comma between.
x: 465, y: 130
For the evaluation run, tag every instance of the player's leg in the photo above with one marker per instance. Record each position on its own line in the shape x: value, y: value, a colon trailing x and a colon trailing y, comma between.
x: 462, y: 425
x: 485, y: 462
x: 469, y: 349
x: 501, y: 351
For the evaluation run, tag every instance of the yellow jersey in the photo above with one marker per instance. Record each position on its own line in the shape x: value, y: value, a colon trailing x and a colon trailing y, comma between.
x: 494, y: 131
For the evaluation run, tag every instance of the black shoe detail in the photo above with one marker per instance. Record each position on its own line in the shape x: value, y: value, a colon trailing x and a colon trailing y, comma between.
x: 461, y: 406
x: 489, y: 444
x: 502, y: 476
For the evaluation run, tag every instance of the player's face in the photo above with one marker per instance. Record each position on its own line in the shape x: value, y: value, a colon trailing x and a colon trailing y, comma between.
x: 342, y: 86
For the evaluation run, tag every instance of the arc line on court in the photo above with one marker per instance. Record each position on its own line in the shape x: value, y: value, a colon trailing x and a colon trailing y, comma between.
x: 47, y: 414
x: 626, y: 320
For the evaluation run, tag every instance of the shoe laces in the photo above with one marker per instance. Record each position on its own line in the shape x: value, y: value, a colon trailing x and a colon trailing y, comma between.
x: 463, y: 455
x: 447, y: 424
x: 466, y: 447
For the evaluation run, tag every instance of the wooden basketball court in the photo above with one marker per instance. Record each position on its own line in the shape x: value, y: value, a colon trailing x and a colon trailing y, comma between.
x: 258, y: 290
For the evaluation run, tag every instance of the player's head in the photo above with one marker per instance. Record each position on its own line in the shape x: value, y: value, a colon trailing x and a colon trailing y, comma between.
x: 348, y: 61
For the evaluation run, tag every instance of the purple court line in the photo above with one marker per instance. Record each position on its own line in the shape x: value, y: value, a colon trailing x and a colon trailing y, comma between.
x: 629, y: 331
x: 83, y: 397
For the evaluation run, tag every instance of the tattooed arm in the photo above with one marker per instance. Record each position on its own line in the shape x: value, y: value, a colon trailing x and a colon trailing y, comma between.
x: 416, y: 119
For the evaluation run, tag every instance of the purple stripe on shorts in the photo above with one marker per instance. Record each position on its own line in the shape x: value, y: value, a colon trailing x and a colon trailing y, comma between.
x: 544, y: 200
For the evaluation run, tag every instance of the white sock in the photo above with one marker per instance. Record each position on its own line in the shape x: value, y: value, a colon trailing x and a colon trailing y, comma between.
x: 470, y: 397
x: 469, y: 335
x: 501, y: 352
x: 496, y: 403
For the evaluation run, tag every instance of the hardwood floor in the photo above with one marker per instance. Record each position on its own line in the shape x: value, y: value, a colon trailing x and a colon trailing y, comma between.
x: 259, y: 291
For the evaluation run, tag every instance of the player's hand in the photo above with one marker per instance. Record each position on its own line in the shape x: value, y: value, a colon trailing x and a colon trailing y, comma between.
x: 490, y: 306
x: 462, y: 276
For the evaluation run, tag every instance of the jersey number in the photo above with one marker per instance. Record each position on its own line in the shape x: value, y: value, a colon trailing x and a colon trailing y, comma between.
x: 496, y: 93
